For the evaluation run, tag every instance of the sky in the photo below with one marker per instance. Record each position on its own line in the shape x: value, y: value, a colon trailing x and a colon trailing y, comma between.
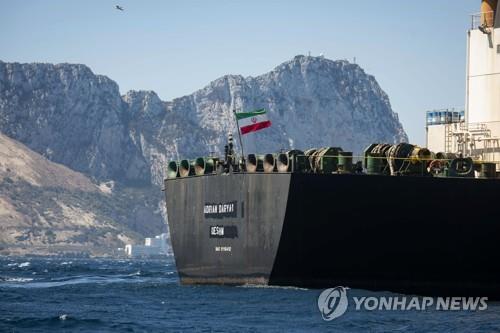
x: 415, y: 49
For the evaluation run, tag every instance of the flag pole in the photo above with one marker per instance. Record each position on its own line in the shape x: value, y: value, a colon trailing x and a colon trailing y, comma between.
x: 239, y: 135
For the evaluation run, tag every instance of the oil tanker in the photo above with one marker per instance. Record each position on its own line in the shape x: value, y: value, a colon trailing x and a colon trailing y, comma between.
x: 400, y: 217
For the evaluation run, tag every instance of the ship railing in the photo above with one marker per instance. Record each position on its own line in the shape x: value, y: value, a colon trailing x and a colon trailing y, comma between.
x: 366, y: 164
x: 412, y: 165
x: 482, y: 20
x: 360, y: 163
x: 474, y: 127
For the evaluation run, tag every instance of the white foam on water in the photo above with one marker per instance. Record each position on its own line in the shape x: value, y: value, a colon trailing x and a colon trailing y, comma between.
x: 271, y: 287
x: 18, y: 279
x: 24, y: 264
x: 63, y: 317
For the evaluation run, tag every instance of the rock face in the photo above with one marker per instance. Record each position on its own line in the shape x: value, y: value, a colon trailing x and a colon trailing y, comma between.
x: 312, y: 102
x: 76, y: 118
x: 72, y: 117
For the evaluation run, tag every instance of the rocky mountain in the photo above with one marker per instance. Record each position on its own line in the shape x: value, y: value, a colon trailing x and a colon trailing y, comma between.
x: 79, y: 119
x: 46, y: 207
x: 312, y: 102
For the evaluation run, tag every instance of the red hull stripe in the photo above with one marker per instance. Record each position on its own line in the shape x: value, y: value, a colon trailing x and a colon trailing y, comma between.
x: 255, y: 127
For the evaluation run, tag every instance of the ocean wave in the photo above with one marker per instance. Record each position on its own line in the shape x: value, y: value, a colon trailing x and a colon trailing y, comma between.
x: 41, y: 283
x: 134, y: 274
x: 61, y: 321
x: 15, y: 279
x: 24, y: 264
x: 60, y: 282
x: 264, y: 286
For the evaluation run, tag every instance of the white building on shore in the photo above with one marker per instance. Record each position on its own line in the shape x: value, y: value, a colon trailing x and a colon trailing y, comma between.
x: 153, y: 247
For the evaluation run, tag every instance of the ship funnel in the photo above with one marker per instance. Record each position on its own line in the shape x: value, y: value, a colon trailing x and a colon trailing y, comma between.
x: 254, y: 163
x: 269, y: 163
x: 203, y: 166
x: 186, y: 168
x: 173, y: 169
x: 488, y: 11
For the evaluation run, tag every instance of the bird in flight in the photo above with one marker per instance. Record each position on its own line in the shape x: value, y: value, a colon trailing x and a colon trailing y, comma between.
x: 119, y: 7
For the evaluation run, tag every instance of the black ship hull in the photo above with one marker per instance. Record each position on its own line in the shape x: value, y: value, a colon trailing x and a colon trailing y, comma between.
x: 419, y: 235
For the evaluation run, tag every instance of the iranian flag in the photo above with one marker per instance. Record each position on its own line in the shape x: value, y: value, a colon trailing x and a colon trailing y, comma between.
x: 252, y: 121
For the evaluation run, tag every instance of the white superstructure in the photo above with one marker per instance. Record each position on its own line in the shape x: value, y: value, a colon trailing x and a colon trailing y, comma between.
x: 478, y: 134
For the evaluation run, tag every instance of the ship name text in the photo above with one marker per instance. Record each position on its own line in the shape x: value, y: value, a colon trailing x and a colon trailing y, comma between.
x: 219, y: 231
x: 220, y: 210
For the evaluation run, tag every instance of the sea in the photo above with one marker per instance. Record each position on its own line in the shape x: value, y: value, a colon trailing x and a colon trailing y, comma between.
x: 120, y: 295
